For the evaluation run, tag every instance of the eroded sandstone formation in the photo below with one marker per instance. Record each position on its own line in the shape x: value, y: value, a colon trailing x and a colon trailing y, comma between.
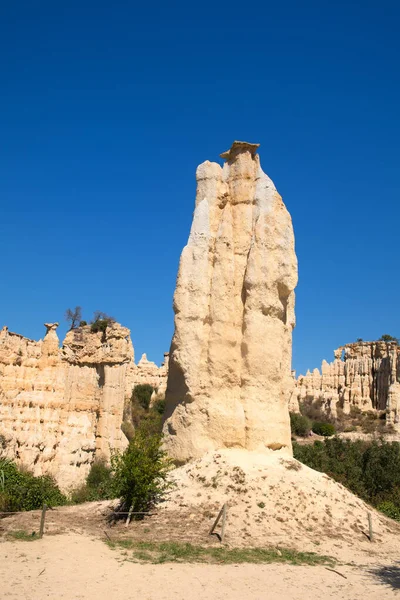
x: 230, y: 360
x: 61, y: 407
x: 363, y: 375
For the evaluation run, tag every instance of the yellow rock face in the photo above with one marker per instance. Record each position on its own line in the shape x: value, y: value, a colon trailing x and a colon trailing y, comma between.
x: 62, y: 407
x: 230, y: 361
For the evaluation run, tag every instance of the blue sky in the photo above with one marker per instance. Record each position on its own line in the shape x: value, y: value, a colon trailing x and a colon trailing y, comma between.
x: 106, y: 109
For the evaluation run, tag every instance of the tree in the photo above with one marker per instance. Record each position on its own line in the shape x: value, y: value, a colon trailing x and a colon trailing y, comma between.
x: 100, y: 321
x: 140, y: 474
x: 141, y: 394
x: 73, y: 316
x: 388, y: 338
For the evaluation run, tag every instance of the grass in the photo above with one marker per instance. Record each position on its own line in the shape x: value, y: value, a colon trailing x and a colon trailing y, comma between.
x: 164, y: 552
x: 22, y: 536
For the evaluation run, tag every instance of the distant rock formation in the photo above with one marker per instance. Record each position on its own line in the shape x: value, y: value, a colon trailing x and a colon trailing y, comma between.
x: 363, y: 375
x: 61, y: 407
x: 230, y: 360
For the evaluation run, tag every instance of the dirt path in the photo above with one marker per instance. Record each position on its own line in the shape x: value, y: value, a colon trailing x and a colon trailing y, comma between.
x: 78, y: 567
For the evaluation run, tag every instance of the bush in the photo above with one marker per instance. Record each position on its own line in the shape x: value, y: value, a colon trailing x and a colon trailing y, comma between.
x: 99, y: 325
x: 99, y: 474
x: 140, y: 473
x: 98, y: 484
x: 369, y: 469
x: 300, y: 425
x: 100, y: 321
x: 325, y: 429
x: 128, y: 430
x: 141, y: 394
x: 388, y: 338
x: 20, y: 490
x: 389, y: 509
x: 315, y: 411
x: 159, y: 406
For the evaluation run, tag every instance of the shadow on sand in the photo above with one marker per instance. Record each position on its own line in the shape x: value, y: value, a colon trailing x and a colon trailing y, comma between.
x: 389, y: 575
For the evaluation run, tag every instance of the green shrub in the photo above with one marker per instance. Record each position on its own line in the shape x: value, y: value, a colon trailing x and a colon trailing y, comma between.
x: 390, y: 509
x: 141, y: 394
x: 20, y: 490
x: 369, y: 469
x: 325, y: 429
x: 300, y: 425
x: 128, y: 430
x: 99, y: 474
x: 159, y: 406
x: 140, y: 473
x: 388, y: 338
x: 99, y: 325
x: 82, y: 493
x: 100, y: 322
x: 98, y: 484
x: 315, y: 411
x: 381, y: 465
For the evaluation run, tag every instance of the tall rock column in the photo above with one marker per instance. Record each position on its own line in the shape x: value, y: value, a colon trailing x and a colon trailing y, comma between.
x: 230, y: 363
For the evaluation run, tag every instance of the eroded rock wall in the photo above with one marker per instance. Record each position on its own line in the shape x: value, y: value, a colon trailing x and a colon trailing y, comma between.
x: 61, y: 407
x: 363, y: 375
x: 230, y: 359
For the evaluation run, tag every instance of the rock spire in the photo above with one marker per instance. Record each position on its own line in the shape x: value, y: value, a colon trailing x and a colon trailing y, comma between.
x: 230, y: 360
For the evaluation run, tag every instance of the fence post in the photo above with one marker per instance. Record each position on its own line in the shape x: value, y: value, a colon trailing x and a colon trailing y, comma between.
x: 42, y: 520
x: 371, y: 533
x: 222, y: 513
x: 223, y: 523
x: 128, y: 520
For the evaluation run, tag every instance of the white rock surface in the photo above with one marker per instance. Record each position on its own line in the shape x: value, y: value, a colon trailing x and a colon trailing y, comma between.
x: 230, y: 361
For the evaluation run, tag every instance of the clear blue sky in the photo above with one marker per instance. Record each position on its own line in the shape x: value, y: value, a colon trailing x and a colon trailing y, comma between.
x: 107, y: 108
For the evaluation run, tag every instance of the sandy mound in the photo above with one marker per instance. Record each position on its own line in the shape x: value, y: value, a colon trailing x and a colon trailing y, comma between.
x: 274, y: 499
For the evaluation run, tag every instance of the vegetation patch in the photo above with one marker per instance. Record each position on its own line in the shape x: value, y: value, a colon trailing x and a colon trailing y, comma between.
x: 139, y: 475
x: 164, y: 552
x: 98, y: 484
x: 324, y: 429
x: 300, y: 424
x: 22, y: 536
x: 20, y: 490
x: 371, y: 470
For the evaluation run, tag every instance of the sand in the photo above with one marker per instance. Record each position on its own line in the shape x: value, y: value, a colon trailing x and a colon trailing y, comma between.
x: 76, y: 567
x: 273, y: 501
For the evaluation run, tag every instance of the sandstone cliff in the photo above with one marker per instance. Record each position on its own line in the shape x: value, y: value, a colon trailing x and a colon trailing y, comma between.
x: 363, y: 375
x: 230, y: 356
x: 61, y: 407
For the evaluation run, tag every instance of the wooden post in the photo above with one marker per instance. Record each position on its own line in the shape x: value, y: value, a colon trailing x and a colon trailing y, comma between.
x: 371, y: 533
x: 222, y: 513
x: 42, y: 520
x: 223, y: 523
x: 128, y: 519
x: 216, y: 520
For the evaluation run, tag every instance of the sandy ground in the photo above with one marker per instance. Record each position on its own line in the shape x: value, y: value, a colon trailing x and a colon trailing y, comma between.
x: 77, y: 567
x: 273, y: 501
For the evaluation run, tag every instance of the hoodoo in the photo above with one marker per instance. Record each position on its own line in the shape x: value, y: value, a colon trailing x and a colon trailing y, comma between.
x: 230, y: 363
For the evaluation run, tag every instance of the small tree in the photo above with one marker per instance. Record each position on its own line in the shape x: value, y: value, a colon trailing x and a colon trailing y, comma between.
x: 388, y: 338
x: 141, y: 394
x: 140, y: 473
x: 100, y: 321
x: 300, y: 425
x: 73, y: 316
